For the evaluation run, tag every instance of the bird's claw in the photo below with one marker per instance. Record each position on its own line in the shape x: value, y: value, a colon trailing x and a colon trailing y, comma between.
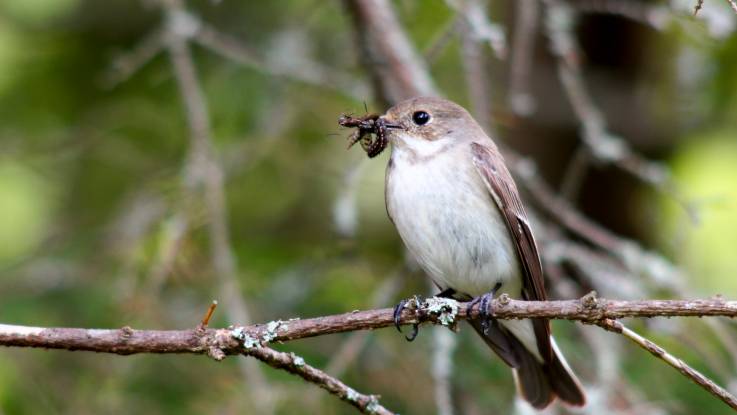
x: 398, y: 314
x: 398, y: 317
x: 414, y: 333
x: 486, y: 311
x: 472, y: 304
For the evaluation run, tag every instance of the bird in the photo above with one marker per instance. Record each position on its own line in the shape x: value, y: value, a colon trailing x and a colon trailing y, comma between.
x: 458, y: 211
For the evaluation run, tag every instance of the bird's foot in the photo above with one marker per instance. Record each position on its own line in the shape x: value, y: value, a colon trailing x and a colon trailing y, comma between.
x: 417, y: 300
x: 486, y: 311
x: 398, y: 316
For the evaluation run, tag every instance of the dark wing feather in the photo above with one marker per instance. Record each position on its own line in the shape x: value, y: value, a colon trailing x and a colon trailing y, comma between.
x: 490, y: 165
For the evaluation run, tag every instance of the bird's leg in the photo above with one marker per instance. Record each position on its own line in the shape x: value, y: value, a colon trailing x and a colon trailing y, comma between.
x: 355, y: 137
x: 398, y: 316
x: 485, y: 312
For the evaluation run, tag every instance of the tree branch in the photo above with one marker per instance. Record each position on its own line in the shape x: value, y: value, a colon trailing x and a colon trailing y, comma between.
x: 220, y: 342
x: 252, y: 340
x: 367, y: 404
x: 676, y: 363
x: 398, y: 70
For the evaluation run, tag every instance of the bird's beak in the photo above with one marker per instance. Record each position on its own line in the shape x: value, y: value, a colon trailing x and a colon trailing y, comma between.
x: 391, y: 124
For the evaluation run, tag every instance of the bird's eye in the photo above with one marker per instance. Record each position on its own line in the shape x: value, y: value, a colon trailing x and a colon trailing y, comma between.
x: 421, y: 117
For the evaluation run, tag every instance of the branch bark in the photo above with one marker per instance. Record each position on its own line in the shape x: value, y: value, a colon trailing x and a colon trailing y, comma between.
x: 220, y: 342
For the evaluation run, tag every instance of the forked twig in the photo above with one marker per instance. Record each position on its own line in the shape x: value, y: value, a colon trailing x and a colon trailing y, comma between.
x: 686, y: 370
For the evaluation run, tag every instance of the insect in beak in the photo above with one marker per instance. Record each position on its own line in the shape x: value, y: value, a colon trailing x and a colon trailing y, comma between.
x: 370, y: 132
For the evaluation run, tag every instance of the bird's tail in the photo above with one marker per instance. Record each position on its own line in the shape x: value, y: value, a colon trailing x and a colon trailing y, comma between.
x: 538, y: 382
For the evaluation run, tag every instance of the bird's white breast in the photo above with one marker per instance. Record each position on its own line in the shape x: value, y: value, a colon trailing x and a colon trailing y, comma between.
x: 448, y: 220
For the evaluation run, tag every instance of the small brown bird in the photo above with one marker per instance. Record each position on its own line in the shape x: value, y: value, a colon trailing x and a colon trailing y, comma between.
x: 459, y: 213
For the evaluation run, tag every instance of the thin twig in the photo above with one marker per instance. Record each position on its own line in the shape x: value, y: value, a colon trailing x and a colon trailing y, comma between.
x: 440, y: 40
x: 173, y: 236
x: 444, y: 344
x: 575, y: 173
x: 733, y: 5
x: 697, y: 7
x: 479, y: 26
x: 208, y: 315
x: 310, y: 73
x: 706, y: 352
x: 475, y: 68
x: 523, y: 51
x: 725, y: 336
x: 367, y: 404
x: 127, y: 64
x: 345, y: 206
x: 673, y: 361
x: 559, y: 209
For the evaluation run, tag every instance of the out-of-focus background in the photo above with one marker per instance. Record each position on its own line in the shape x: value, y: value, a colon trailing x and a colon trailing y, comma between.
x: 156, y: 155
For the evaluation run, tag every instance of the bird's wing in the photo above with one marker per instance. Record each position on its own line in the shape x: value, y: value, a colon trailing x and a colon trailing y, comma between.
x: 490, y: 165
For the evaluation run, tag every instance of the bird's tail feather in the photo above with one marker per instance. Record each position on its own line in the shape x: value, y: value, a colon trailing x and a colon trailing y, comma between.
x: 564, y: 382
x: 539, y: 383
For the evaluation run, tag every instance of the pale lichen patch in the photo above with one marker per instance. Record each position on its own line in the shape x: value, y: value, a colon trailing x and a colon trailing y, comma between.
x: 272, y: 328
x: 297, y: 360
x: 351, y: 395
x: 249, y: 341
x: 446, y: 309
x: 373, y: 405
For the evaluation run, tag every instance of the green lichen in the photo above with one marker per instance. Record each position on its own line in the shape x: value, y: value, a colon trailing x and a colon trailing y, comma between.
x: 445, y: 309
